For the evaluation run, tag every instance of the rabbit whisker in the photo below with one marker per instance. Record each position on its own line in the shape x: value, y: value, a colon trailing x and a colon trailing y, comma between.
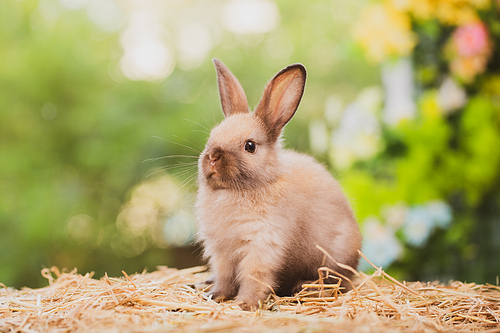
x: 208, y: 124
x: 169, y: 156
x: 197, y: 123
x: 179, y: 144
x: 202, y: 147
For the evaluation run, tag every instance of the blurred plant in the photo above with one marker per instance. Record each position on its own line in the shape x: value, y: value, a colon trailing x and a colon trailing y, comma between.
x: 357, y: 134
x: 468, y: 51
x: 379, y: 243
x: 87, y: 86
x: 157, y: 214
x: 388, y: 29
x: 435, y: 167
x: 385, y: 31
x: 413, y: 224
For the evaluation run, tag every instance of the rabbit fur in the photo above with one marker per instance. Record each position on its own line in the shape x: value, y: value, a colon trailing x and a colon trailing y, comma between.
x: 262, y: 209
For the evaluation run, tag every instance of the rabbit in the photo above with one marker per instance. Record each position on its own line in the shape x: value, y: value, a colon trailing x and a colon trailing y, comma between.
x: 262, y: 209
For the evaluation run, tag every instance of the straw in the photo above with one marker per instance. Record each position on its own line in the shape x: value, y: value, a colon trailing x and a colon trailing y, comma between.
x: 167, y: 301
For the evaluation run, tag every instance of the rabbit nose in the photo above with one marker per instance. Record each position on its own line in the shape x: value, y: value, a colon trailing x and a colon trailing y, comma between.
x: 214, y: 157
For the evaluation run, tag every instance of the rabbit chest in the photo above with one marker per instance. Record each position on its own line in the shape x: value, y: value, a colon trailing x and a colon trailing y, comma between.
x: 237, y: 222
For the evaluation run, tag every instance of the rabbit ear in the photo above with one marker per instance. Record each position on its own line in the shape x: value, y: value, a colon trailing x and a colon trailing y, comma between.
x: 281, y: 98
x: 232, y: 96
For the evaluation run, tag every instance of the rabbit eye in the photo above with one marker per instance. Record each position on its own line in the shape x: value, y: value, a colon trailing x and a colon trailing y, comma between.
x: 250, y: 146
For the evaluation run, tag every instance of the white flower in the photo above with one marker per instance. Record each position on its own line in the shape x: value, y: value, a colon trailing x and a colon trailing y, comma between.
x: 439, y: 212
x: 395, y: 215
x: 333, y: 110
x: 357, y: 136
x: 451, y: 96
x: 398, y: 85
x: 371, y: 99
x: 380, y: 245
x: 417, y: 226
x: 421, y: 220
x: 318, y: 136
x: 341, y: 156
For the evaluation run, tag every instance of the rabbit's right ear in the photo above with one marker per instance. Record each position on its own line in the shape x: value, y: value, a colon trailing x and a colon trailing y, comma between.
x: 282, y: 98
x: 232, y: 96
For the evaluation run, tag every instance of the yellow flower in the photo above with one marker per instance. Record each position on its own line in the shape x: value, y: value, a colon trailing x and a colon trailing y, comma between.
x: 450, y: 12
x: 384, y: 31
x: 422, y: 9
x: 455, y: 12
x: 468, y: 67
x: 480, y: 4
x: 430, y: 106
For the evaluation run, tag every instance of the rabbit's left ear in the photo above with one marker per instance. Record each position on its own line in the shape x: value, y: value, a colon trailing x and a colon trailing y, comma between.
x: 281, y: 98
x: 232, y: 96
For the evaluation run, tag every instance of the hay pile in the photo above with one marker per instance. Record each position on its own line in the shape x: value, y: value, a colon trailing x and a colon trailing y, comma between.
x: 167, y: 301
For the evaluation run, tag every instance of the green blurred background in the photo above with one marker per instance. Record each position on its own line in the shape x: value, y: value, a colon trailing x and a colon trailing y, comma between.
x: 104, y: 106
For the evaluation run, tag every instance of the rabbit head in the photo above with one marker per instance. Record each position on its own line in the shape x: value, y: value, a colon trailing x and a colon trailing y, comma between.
x: 243, y: 151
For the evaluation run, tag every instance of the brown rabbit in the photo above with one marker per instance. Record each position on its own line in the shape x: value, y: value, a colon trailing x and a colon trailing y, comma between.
x: 261, y: 209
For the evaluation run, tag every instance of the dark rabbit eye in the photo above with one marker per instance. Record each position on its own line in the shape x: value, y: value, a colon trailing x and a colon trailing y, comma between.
x: 250, y: 146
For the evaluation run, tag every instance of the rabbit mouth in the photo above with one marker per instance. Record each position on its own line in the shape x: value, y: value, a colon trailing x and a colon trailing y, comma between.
x: 218, y: 178
x: 212, y: 171
x: 213, y: 175
x: 215, y: 181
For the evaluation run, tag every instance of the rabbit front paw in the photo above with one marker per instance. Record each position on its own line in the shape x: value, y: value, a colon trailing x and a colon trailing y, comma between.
x: 221, y: 292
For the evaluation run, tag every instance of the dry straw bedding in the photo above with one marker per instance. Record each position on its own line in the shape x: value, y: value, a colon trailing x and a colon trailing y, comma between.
x: 166, y: 300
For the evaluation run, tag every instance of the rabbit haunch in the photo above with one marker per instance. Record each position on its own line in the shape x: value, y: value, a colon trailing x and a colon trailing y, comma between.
x: 262, y: 209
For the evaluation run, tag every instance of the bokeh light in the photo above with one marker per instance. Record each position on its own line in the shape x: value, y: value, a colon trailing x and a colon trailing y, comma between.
x: 80, y: 228
x: 146, y: 55
x: 401, y: 105
x: 194, y: 44
x: 156, y: 214
x: 250, y: 16
x: 49, y: 111
x: 106, y: 14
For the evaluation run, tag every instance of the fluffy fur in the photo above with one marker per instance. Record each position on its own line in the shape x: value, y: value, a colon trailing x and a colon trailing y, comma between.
x: 261, y: 213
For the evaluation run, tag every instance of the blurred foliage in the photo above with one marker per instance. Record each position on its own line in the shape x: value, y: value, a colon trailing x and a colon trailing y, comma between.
x: 77, y: 136
x: 442, y: 156
x: 98, y: 158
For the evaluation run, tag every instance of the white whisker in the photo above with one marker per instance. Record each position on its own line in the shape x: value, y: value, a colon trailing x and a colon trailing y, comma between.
x: 208, y: 124
x: 194, y: 122
x: 188, y: 142
x: 179, y: 144
x: 169, y: 156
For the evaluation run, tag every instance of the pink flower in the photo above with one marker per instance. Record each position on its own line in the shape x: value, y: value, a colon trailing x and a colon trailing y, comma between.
x: 471, y: 40
x: 468, y: 51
